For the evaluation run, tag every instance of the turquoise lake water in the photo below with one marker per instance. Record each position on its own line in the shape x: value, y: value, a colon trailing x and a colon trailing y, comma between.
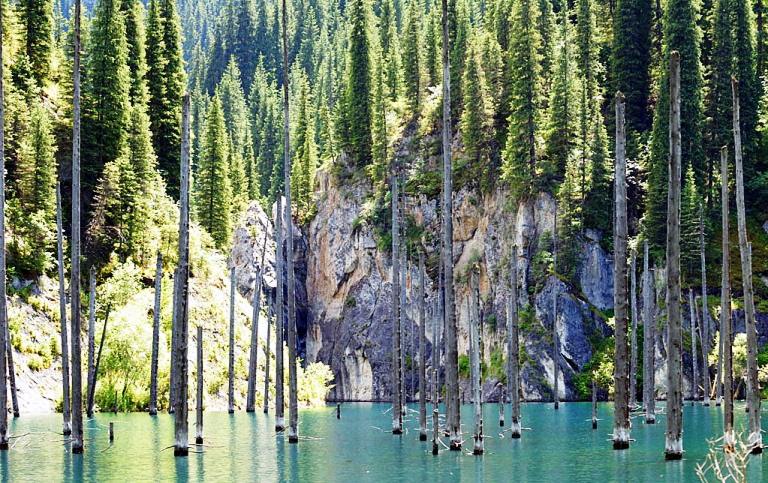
x: 560, y: 446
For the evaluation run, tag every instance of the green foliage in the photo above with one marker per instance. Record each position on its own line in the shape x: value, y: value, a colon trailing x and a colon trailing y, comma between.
x: 464, y: 366
x: 599, y: 368
x: 314, y: 382
x: 411, y: 60
x: 37, y: 18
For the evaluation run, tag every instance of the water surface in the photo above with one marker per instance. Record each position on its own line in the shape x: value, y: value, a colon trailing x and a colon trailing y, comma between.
x: 560, y: 446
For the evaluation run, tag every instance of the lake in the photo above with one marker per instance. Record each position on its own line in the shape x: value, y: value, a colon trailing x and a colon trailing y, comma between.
x: 560, y: 446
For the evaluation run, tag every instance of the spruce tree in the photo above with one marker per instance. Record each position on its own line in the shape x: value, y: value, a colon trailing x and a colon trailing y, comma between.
x: 233, y: 104
x: 522, y: 147
x: 689, y: 231
x: 355, y: 114
x: 681, y: 34
x: 411, y: 60
x: 243, y: 44
x: 106, y: 93
x: 389, y: 42
x: 631, y: 60
x: 305, y: 155
x: 749, y: 83
x: 459, y: 42
x: 36, y: 17
x: 473, y: 125
x: 213, y: 196
x: 135, y: 33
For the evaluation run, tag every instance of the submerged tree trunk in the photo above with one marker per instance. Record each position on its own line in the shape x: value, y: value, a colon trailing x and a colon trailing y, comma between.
x: 156, y: 335
x: 199, y: 406
x: 621, y: 374
x: 555, y: 337
x: 453, y: 403
x: 513, y: 349
x: 74, y: 284
x: 293, y: 402
x: 753, y: 385
x: 422, y: 354
x: 633, y: 339
x: 11, y: 370
x: 65, y: 404
x: 3, y: 310
x: 673, y: 448
x: 474, y: 337
x: 231, y: 369
x: 403, y: 312
x: 250, y: 404
x: 91, y: 338
x: 436, y: 324
x: 594, y: 403
x: 174, y: 341
x: 95, y: 376
x: 706, y: 339
x: 268, y: 357
x: 397, y: 403
x: 649, y: 342
x: 726, y: 337
x: 694, y: 358
x: 181, y: 349
x: 279, y: 322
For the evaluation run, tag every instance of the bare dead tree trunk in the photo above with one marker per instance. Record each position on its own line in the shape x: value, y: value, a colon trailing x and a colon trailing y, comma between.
x: 98, y: 354
x: 293, y: 402
x: 706, y: 339
x: 3, y: 319
x: 250, y: 404
x: 181, y: 347
x: 403, y: 312
x: 91, y: 338
x: 156, y: 335
x: 199, y: 406
x: 231, y: 371
x: 174, y: 342
x: 474, y: 353
x: 753, y: 385
x: 649, y: 341
x: 267, y: 356
x: 694, y: 359
x: 555, y: 337
x: 726, y: 337
x: 594, y: 403
x: 513, y: 349
x: 279, y: 322
x: 633, y: 339
x: 74, y: 285
x: 65, y: 404
x: 422, y: 354
x: 621, y: 375
x: 451, y: 346
x: 11, y: 371
x: 397, y: 404
x: 436, y: 324
x: 673, y: 448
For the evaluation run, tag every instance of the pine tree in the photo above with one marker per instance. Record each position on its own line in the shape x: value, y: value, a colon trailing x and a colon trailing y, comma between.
x: 459, y: 41
x: 36, y: 17
x: 106, y: 93
x: 521, y: 152
x: 432, y: 48
x: 389, y: 42
x: 681, y: 34
x: 243, y: 44
x: 233, y: 105
x: 355, y: 115
x: 305, y: 156
x: 631, y: 60
x: 689, y: 231
x: 749, y: 83
x: 597, y: 201
x: 377, y: 170
x: 411, y: 60
x: 135, y: 33
x: 473, y: 126
x: 212, y: 193
x: 545, y: 24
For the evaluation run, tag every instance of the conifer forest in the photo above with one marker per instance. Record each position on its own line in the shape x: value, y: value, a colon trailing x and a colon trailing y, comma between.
x: 383, y: 240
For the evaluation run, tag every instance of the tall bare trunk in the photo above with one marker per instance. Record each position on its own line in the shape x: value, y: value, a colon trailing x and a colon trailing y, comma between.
x: 513, y: 348
x: 555, y: 336
x: 436, y: 329
x: 474, y: 335
x: 633, y: 337
x: 74, y: 285
x: 726, y: 336
x: 3, y: 310
x: 268, y: 357
x: 156, y: 335
x: 174, y: 342
x: 91, y: 338
x: 65, y: 404
x: 694, y: 358
x: 753, y: 385
x: 397, y: 404
x: 453, y: 403
x: 280, y: 321
x: 673, y: 448
x: 621, y: 374
x: 231, y: 369
x: 11, y: 371
x: 293, y: 402
x: 649, y: 342
x: 594, y: 403
x: 181, y: 307
x: 199, y: 405
x: 250, y: 404
x: 706, y: 339
x: 403, y: 311
x: 422, y: 354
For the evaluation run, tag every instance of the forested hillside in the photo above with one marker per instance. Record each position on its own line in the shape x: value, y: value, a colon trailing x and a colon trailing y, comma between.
x: 532, y: 84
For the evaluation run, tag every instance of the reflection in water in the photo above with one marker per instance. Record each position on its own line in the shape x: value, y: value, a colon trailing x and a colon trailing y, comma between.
x: 561, y: 446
